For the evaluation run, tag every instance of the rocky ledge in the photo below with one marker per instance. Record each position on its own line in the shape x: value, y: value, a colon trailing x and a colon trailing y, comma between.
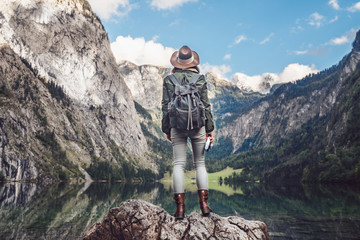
x: 137, y: 219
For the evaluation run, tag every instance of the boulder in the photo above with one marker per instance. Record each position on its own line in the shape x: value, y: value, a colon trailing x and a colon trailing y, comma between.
x: 137, y: 219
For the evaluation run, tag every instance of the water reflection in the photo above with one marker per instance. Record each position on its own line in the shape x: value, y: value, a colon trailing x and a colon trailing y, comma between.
x: 66, y: 211
x: 61, y: 211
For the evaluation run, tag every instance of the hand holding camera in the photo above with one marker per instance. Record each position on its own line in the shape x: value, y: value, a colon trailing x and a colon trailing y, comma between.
x: 209, y: 142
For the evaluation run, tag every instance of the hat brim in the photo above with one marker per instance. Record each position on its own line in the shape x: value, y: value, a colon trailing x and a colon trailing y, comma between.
x: 175, y: 63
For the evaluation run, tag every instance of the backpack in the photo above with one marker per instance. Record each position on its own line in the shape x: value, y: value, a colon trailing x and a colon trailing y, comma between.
x: 186, y: 110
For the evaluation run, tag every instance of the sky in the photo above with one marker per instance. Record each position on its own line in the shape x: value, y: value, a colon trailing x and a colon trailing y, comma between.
x: 236, y: 39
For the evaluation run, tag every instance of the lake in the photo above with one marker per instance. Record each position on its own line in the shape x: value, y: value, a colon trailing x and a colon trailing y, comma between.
x: 66, y: 211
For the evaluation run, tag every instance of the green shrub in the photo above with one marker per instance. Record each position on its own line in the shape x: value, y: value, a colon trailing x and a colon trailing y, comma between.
x: 49, y: 141
x: 103, y: 170
x: 142, y: 111
x: 222, y: 148
x: 57, y: 92
x: 162, y: 150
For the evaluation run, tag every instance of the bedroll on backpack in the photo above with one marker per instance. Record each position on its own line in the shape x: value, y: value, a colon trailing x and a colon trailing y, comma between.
x: 186, y: 110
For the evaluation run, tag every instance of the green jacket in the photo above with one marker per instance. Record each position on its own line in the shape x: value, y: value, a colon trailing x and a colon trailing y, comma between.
x: 168, y: 90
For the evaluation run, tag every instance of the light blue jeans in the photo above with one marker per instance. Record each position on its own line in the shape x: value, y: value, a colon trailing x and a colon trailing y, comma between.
x: 179, y: 141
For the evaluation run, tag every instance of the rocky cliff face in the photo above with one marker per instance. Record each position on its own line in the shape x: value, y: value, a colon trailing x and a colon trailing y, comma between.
x: 227, y: 99
x: 279, y: 114
x: 145, y: 83
x: 63, y: 42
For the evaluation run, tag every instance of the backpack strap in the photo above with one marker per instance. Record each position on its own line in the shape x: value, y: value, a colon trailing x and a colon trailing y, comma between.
x: 194, y: 78
x: 174, y: 79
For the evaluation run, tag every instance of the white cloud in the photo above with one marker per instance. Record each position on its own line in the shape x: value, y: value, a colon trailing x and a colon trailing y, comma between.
x: 348, y: 37
x: 267, y: 39
x: 296, y: 71
x: 340, y: 40
x: 168, y: 4
x: 316, y: 19
x: 220, y: 71
x: 355, y: 7
x: 174, y: 23
x: 106, y: 9
x: 334, y: 4
x: 249, y: 83
x: 334, y: 19
x: 239, y: 39
x: 140, y: 52
x: 227, y: 57
x: 262, y: 83
x: 156, y: 37
x: 302, y: 52
x: 315, y: 52
x: 297, y: 29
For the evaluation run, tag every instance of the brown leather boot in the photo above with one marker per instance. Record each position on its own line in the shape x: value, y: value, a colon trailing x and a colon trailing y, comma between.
x: 203, y: 201
x: 180, y: 206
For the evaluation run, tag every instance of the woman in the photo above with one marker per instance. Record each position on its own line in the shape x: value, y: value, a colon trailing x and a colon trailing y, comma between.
x: 185, y: 62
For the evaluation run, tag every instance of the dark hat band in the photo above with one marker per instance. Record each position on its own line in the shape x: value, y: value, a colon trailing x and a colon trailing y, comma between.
x: 185, y: 61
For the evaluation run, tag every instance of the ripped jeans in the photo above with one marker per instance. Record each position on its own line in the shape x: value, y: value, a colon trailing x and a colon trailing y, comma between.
x: 179, y: 141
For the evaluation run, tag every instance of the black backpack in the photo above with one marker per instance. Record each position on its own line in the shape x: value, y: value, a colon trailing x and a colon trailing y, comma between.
x: 186, y: 110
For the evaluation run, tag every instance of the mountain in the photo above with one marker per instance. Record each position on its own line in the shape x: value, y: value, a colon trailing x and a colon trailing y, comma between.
x: 145, y: 83
x: 279, y: 114
x: 227, y: 100
x: 65, y: 108
x: 69, y: 111
x: 289, y: 134
x: 260, y: 84
x: 308, y: 131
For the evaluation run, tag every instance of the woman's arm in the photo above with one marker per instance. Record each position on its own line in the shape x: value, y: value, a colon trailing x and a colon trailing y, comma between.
x: 209, y: 122
x: 165, y: 122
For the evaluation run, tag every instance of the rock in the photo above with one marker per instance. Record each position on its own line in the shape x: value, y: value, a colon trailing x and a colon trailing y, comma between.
x: 137, y: 219
x: 63, y: 43
x: 356, y: 43
x: 145, y: 83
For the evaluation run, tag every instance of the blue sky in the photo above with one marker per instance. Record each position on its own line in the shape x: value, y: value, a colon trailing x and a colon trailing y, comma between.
x: 233, y: 36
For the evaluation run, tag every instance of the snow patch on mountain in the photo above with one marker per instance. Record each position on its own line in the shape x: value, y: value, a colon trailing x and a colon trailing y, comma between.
x: 263, y: 83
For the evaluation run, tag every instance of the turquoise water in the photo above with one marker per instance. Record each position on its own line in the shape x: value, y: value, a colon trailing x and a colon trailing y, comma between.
x: 66, y: 211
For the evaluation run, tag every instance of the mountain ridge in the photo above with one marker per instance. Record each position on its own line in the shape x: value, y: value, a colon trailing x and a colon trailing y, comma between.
x: 249, y: 126
x: 64, y: 45
x: 325, y: 144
